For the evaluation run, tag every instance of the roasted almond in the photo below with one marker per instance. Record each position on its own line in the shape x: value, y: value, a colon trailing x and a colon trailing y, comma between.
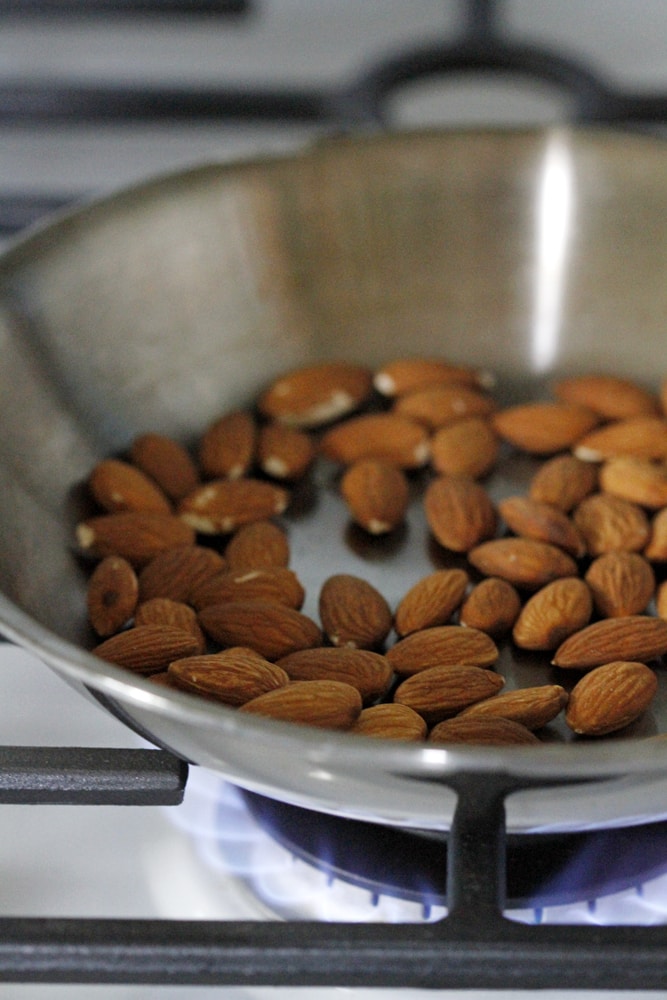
x: 403, y: 375
x: 353, y: 612
x: 442, y: 645
x: 120, y: 486
x: 533, y: 707
x: 524, y: 562
x: 377, y: 495
x: 643, y: 437
x: 270, y: 583
x: 492, y: 606
x: 165, y: 611
x: 610, y: 697
x: 543, y: 428
x: 533, y: 519
x: 147, y: 649
x: 284, y: 452
x: 436, y: 406
x: 314, y: 395
x: 459, y: 512
x: 661, y: 600
x: 622, y: 583
x: 482, y: 731
x: 609, y: 523
x: 257, y: 545
x: 390, y: 722
x: 631, y: 637
x: 636, y: 479
x: 271, y: 629
x: 368, y: 671
x: 613, y: 398
x: 656, y: 546
x: 387, y: 437
x: 112, y: 595
x: 167, y: 462
x: 467, y: 447
x: 223, y: 505
x: 233, y: 676
x: 176, y: 572
x: 227, y: 446
x: 431, y: 601
x: 563, y: 481
x: 137, y: 536
x: 441, y: 691
x: 324, y: 704
x: 556, y: 611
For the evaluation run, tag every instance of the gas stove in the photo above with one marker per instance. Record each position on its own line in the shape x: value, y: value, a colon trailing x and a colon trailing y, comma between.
x: 119, y: 863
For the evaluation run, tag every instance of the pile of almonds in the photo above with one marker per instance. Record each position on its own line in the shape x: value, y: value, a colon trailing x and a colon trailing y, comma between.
x: 191, y: 583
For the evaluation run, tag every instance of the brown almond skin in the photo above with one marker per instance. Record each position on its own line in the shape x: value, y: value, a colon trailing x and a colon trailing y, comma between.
x: 631, y: 637
x: 431, y: 601
x: 403, y: 375
x: 284, y: 452
x: 227, y: 446
x: 112, y: 595
x: 314, y: 395
x: 544, y: 428
x: 482, y: 732
x: 466, y: 447
x: 272, y: 630
x: 369, y: 672
x: 524, y: 562
x: 553, y: 613
x: 377, y: 495
x: 436, y: 406
x: 147, y: 649
x: 563, y: 481
x: 387, y: 437
x: 622, y: 583
x: 223, y: 505
x: 353, y: 612
x: 391, y: 722
x: 258, y: 545
x: 642, y: 436
x: 167, y: 462
x: 492, y: 606
x: 176, y: 572
x: 442, y: 645
x: 272, y: 583
x: 119, y: 486
x: 459, y: 512
x: 613, y: 398
x: 532, y: 519
x: 656, y: 546
x: 533, y: 707
x: 636, y: 479
x: 165, y: 611
x: 324, y: 704
x: 232, y: 676
x: 137, y: 536
x: 607, y: 523
x: 441, y: 691
x: 610, y: 697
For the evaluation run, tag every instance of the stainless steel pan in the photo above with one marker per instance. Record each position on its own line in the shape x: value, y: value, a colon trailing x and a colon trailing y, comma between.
x: 534, y: 254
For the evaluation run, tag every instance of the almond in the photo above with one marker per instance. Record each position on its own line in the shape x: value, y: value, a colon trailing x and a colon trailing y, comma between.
x: 137, y: 536
x: 365, y: 670
x: 258, y: 545
x: 636, y: 479
x: 387, y: 437
x: 467, y: 447
x: 441, y: 691
x: 119, y: 486
x: 613, y: 398
x: 543, y: 428
x: 407, y: 374
x: 284, y: 452
x: 147, y: 649
x: 459, y: 512
x: 643, y: 437
x: 270, y: 583
x: 631, y: 637
x: 272, y: 630
x: 223, y: 505
x: 439, y: 405
x: 609, y: 523
x: 524, y: 562
x: 656, y: 546
x: 533, y: 707
x: 556, y: 611
x: 431, y: 601
x: 563, y: 481
x: 233, y: 676
x: 482, y: 732
x: 176, y: 572
x: 442, y: 645
x: 227, y: 446
x: 610, y: 697
x: 112, y: 595
x: 353, y: 612
x: 167, y: 462
x: 165, y: 611
x: 492, y: 606
x: 661, y: 600
x: 390, y: 722
x: 315, y: 395
x: 533, y: 519
x: 622, y: 583
x: 377, y: 495
x: 324, y: 704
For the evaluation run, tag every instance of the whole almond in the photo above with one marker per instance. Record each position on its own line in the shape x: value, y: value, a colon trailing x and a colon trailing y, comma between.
x: 284, y: 452
x: 271, y: 583
x: 119, y: 486
x: 656, y: 545
x: 258, y: 545
x: 563, y: 481
x: 387, y: 437
x: 609, y: 523
x: 442, y: 645
x: 165, y: 611
x: 324, y: 704
x: 223, y: 505
x: 176, y: 572
x: 233, y: 676
x: 610, y: 697
x: 390, y: 722
x: 643, y: 437
x: 112, y: 595
x: 544, y: 428
x: 137, y: 536
x: 467, y: 447
x: 533, y: 519
x: 492, y: 606
x: 436, y: 406
x: 271, y: 629
x: 459, y: 512
x: 636, y: 479
x: 533, y: 707
x: 631, y: 637
x: 406, y: 374
x: 377, y: 495
x: 482, y: 731
x: 431, y: 601
x: 556, y: 611
x: 524, y: 562
x: 227, y: 446
x: 622, y: 583
x: 441, y: 691
x: 613, y: 398
x: 353, y: 612
x: 314, y: 395
x: 167, y: 462
x: 147, y: 649
x: 368, y: 671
